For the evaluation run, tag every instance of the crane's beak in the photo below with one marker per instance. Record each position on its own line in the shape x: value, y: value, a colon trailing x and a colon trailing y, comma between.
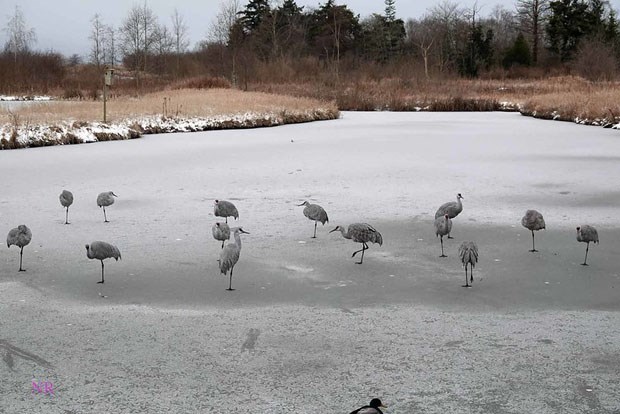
x: 299, y: 205
x: 331, y: 231
x: 114, y: 195
x: 243, y: 231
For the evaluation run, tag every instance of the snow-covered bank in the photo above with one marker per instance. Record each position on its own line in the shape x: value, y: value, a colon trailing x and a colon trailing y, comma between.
x: 25, y: 135
x: 14, y: 98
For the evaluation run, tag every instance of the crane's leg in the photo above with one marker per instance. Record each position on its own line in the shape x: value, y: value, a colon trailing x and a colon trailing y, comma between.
x: 441, y: 240
x: 364, y: 247
x: 230, y: 279
x: 105, y: 218
x: 533, y: 246
x: 314, y: 237
x: 466, y: 281
x: 586, y: 258
x: 101, y: 281
x: 471, y: 273
x: 21, y: 253
x: 67, y: 216
x: 357, y: 251
x: 222, y: 244
x: 226, y: 218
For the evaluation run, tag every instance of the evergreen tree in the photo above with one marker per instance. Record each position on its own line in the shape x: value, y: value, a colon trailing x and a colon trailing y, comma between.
x: 518, y: 54
x: 569, y: 21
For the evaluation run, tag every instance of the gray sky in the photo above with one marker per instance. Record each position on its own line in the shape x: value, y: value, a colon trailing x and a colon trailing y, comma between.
x: 64, y: 25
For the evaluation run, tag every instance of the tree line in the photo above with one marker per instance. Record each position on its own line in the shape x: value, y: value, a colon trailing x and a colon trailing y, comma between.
x: 582, y: 36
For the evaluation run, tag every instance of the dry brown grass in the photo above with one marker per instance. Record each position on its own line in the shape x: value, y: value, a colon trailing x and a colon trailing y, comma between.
x: 183, y: 103
x: 560, y: 97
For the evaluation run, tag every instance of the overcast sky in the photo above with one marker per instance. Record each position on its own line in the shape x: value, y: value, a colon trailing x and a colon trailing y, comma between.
x: 64, y: 25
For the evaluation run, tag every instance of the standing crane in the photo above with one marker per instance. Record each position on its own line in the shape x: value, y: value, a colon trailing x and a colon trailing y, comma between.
x: 316, y: 213
x: 221, y: 232
x: 533, y: 221
x: 66, y: 199
x: 229, y: 256
x: 451, y: 208
x: 469, y: 254
x: 223, y: 208
x: 20, y: 236
x: 101, y: 250
x: 361, y: 233
x: 104, y: 200
x: 587, y: 234
x: 443, y: 226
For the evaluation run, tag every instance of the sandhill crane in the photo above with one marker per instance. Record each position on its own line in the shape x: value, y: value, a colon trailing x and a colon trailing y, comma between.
x: 221, y: 232
x: 469, y: 254
x: 443, y: 226
x: 20, y: 236
x: 104, y: 200
x: 533, y: 221
x: 229, y: 256
x: 587, y: 234
x: 451, y: 208
x: 315, y: 212
x: 223, y: 208
x: 361, y: 233
x: 101, y: 250
x: 373, y: 408
x: 66, y: 199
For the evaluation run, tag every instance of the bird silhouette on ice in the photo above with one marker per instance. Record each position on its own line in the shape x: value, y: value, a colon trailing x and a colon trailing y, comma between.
x: 104, y: 200
x: 66, y: 199
x: 223, y: 208
x: 101, y: 250
x: 373, y: 408
x: 587, y: 234
x: 316, y: 213
x: 20, y: 236
x: 443, y: 226
x: 221, y: 232
x: 361, y: 233
x: 469, y: 255
x: 451, y: 208
x: 533, y: 221
x: 229, y: 256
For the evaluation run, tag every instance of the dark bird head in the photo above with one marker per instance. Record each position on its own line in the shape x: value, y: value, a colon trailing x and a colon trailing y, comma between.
x: 87, y: 247
x: 216, y: 201
x: 578, y: 228
x: 376, y: 403
x: 459, y: 195
x: 240, y: 230
x: 446, y: 216
x: 337, y: 229
x: 305, y: 203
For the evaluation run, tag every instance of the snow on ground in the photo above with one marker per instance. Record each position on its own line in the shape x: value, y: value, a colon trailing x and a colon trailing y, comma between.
x: 307, y: 329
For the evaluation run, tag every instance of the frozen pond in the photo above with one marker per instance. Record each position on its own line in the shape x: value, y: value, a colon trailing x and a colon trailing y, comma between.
x: 537, y: 313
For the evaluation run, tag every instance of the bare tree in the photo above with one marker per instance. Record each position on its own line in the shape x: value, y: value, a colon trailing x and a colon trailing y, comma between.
x: 447, y: 16
x: 225, y: 31
x: 20, y: 37
x: 97, y: 37
x: 222, y: 24
x: 532, y: 14
x: 421, y: 34
x: 110, y: 49
x: 179, y: 35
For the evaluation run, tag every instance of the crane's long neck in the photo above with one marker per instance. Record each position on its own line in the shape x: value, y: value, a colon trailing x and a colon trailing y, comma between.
x: 238, y: 239
x: 88, y: 253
